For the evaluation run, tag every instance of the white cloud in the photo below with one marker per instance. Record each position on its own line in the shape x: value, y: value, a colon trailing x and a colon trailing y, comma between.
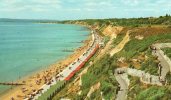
x: 107, y: 3
x: 131, y: 2
x: 34, y: 5
x: 74, y: 9
x: 95, y: 8
x: 141, y: 10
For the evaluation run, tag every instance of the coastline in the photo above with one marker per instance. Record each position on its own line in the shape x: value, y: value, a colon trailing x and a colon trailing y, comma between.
x: 49, y: 71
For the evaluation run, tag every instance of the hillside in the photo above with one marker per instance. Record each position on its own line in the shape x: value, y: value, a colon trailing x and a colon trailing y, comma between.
x: 129, y: 46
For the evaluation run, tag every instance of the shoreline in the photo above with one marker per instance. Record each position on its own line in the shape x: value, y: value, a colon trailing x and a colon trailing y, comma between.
x: 52, y: 69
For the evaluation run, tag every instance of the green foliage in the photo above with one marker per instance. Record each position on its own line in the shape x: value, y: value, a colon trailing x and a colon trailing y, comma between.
x: 168, y: 78
x: 95, y: 95
x: 55, y: 88
x: 135, y: 87
x: 136, y: 46
x: 106, y: 39
x: 95, y: 71
x: 117, y: 40
x: 152, y: 93
x: 108, y: 87
x: 150, y: 66
x: 133, y: 22
x: 101, y: 71
x: 167, y: 51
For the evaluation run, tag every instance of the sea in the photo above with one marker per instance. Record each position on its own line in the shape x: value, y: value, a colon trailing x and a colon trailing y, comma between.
x: 27, y: 47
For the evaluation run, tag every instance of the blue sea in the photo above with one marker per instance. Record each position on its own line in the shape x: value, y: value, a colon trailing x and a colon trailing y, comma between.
x: 27, y: 47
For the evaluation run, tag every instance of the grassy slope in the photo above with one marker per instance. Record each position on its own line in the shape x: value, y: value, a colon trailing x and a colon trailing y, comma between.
x: 99, y: 72
x: 102, y: 70
x: 135, y: 47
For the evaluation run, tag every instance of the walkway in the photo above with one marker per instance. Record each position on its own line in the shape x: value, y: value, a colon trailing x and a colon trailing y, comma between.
x: 164, y: 60
x: 124, y: 83
x: 144, y: 77
x: 121, y: 74
x: 69, y: 71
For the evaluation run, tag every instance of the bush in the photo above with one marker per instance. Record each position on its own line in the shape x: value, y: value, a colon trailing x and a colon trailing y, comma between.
x: 152, y: 93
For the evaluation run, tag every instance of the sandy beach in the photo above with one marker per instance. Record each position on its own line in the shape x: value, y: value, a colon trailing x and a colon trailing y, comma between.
x: 35, y: 81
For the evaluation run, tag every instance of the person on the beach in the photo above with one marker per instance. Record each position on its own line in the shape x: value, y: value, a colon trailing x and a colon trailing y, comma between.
x: 78, y: 60
x: 12, y: 98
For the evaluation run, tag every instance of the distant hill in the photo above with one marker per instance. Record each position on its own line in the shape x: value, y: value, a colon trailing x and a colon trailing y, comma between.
x: 27, y: 20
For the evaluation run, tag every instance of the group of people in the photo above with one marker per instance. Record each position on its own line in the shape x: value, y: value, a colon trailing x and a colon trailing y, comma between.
x: 146, y: 77
x: 47, y: 77
x: 161, y: 79
x: 84, y: 54
x: 153, y: 48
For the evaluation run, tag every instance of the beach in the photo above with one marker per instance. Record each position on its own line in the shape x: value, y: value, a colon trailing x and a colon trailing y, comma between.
x: 35, y: 81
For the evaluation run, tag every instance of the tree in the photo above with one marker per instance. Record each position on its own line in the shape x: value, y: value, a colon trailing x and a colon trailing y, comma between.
x: 167, y: 15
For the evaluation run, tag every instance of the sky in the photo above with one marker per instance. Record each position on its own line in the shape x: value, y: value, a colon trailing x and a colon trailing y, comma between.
x: 83, y: 9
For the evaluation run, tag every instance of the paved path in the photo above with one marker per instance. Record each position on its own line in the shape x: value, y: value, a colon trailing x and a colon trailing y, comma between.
x: 124, y: 83
x: 73, y: 66
x: 121, y: 74
x: 144, y: 77
x: 164, y: 60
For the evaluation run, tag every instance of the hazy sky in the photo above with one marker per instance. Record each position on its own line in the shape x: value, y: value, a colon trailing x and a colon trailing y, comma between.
x: 82, y: 9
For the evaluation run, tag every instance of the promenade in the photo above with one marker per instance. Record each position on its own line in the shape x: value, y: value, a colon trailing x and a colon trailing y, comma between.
x: 71, y: 69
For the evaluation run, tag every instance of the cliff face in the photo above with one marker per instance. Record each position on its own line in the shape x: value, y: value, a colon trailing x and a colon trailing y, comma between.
x: 112, y: 31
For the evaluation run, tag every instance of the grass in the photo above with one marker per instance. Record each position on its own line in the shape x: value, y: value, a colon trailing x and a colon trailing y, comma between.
x: 102, y: 69
x: 131, y: 22
x: 101, y: 72
x: 135, y: 46
x: 154, y: 93
x: 167, y: 51
x: 133, y: 87
x: 138, y: 91
x: 117, y: 40
x: 62, y: 93
x: 106, y: 39
x: 52, y: 90
x: 150, y: 65
x: 168, y: 78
